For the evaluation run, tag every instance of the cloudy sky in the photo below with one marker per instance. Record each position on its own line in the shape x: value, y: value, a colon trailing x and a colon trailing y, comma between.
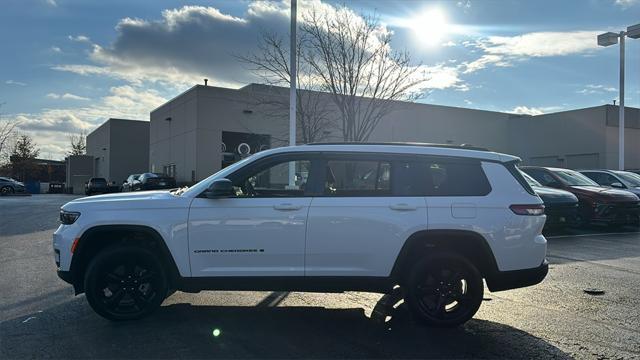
x: 67, y: 65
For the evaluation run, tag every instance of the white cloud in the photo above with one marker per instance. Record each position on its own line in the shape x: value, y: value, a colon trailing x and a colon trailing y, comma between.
x: 596, y: 89
x: 50, y: 127
x: 51, y: 3
x: 503, y: 50
x: 66, y: 96
x: 55, y: 49
x: 525, y: 110
x: 449, y: 44
x: 13, y: 82
x: 79, y: 38
x: 626, y: 3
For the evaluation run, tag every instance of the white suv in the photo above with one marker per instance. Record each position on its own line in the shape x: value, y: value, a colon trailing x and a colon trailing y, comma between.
x: 434, y: 219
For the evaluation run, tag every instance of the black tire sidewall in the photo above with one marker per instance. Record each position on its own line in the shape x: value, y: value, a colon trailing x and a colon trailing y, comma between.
x: 474, y: 283
x: 96, y: 267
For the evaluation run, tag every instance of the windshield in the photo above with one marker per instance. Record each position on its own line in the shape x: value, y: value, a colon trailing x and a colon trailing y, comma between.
x: 574, y: 178
x: 204, y: 184
x: 531, y: 181
x: 629, y: 178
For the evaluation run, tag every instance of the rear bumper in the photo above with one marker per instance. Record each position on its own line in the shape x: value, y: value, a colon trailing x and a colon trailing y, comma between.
x: 505, y: 280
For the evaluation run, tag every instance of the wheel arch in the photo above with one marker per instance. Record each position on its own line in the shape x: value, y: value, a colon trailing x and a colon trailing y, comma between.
x: 97, y: 238
x: 469, y: 244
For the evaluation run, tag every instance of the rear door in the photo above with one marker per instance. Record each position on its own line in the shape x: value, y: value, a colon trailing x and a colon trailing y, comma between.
x: 357, y: 225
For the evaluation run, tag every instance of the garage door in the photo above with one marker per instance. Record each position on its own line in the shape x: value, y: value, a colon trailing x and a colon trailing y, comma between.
x: 583, y: 161
x: 543, y: 161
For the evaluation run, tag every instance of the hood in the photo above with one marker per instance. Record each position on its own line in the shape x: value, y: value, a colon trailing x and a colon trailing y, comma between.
x: 604, y: 194
x: 555, y: 196
x: 128, y: 201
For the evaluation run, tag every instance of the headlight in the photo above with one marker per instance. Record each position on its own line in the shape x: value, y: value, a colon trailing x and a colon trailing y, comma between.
x: 68, y: 217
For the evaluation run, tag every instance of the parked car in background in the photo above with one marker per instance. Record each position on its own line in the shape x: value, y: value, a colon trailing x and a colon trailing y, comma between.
x: 131, y: 183
x: 155, y: 181
x: 10, y: 186
x: 597, y: 204
x: 96, y: 186
x: 560, y: 206
x: 615, y: 179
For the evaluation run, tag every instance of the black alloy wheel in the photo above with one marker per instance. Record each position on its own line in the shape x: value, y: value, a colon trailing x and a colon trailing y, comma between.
x: 125, y: 283
x: 444, y: 290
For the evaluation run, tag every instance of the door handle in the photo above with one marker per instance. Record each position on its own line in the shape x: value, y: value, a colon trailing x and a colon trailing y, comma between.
x: 403, y: 207
x: 287, y: 207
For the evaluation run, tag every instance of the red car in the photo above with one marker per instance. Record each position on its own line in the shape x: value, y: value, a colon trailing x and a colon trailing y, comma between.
x: 597, y: 204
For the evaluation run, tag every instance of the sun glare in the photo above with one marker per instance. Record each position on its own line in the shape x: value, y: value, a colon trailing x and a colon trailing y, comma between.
x: 430, y: 26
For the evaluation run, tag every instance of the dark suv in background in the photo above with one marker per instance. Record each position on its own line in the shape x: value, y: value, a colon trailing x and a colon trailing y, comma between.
x: 597, y: 204
x: 560, y: 206
x: 96, y: 186
x: 155, y: 181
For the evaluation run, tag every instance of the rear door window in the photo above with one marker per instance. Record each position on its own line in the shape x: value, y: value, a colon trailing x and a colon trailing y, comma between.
x: 440, y: 178
x: 357, y: 178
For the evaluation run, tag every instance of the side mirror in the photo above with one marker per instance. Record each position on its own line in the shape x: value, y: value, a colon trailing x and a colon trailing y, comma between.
x: 220, y: 188
x: 617, y: 185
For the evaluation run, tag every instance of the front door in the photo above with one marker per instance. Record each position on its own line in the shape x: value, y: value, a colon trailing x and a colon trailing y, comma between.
x: 259, y: 232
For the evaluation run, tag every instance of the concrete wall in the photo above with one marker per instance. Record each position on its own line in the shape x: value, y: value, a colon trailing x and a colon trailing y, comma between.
x: 129, y: 149
x: 98, y: 146
x: 120, y: 148
x: 191, y: 139
x: 631, y: 137
x: 80, y: 168
x: 573, y: 139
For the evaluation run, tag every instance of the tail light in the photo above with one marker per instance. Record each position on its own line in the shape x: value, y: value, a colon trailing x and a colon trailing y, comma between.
x: 529, y: 210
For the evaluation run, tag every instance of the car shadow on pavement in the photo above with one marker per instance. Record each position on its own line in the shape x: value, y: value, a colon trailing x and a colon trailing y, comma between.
x: 72, y: 330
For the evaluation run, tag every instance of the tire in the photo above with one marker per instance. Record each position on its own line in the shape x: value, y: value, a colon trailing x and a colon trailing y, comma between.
x: 444, y: 290
x: 125, y: 283
x: 7, y: 190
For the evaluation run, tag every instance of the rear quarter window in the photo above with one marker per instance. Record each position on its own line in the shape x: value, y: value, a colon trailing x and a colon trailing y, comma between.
x: 440, y: 178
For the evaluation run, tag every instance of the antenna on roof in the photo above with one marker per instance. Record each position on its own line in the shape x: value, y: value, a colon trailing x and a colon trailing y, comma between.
x: 614, y: 102
x: 205, y: 81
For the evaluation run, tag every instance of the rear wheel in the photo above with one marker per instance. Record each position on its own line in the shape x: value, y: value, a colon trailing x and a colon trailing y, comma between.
x: 444, y: 290
x: 7, y: 190
x: 125, y: 283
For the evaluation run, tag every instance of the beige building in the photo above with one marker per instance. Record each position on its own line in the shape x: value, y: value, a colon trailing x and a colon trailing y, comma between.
x: 119, y: 147
x: 205, y: 128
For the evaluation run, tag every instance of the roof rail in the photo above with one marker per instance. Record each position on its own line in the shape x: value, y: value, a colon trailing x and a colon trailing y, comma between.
x: 448, y: 146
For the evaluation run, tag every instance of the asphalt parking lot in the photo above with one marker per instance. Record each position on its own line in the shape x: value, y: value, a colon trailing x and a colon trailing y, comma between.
x: 40, y: 317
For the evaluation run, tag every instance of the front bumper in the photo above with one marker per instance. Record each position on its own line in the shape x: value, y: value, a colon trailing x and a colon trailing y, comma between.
x: 616, y: 214
x: 505, y: 280
x: 66, y: 276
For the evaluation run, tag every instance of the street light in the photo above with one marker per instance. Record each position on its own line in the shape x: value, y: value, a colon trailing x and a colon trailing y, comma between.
x: 608, y: 39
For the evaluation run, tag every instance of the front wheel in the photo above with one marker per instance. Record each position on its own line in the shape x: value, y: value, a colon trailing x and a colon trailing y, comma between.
x: 7, y: 190
x: 125, y: 283
x: 444, y: 290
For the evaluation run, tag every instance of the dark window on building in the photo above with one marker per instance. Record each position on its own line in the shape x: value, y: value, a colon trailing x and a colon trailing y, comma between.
x: 357, y: 178
x: 440, y: 178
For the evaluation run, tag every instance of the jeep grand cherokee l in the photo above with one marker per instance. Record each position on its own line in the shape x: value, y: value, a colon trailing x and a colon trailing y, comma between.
x: 435, y: 220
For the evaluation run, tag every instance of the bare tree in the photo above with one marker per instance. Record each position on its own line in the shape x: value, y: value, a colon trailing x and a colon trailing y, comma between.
x: 271, y: 64
x: 348, y: 77
x: 78, y: 144
x: 7, y: 132
x: 353, y: 57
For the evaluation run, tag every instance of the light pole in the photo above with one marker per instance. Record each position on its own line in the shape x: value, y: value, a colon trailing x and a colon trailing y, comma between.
x: 611, y: 38
x: 292, y: 90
